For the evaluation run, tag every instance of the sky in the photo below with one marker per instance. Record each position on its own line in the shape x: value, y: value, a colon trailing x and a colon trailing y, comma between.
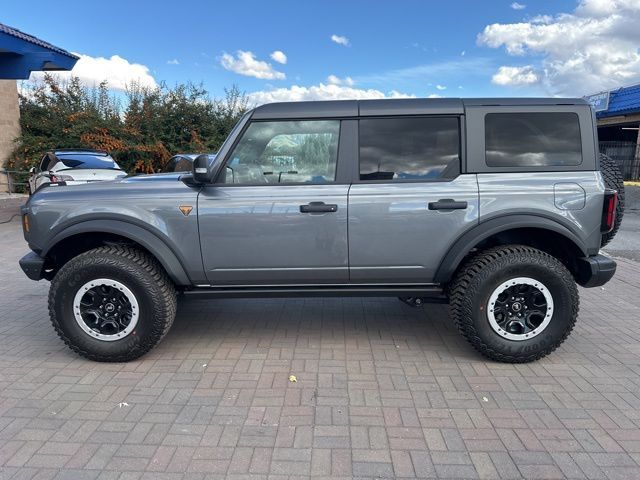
x: 283, y: 50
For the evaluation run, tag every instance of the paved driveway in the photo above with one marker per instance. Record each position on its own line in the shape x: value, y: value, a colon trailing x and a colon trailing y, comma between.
x: 383, y: 390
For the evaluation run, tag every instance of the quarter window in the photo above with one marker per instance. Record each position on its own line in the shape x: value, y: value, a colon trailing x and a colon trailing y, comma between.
x: 419, y: 148
x: 534, y: 139
x: 285, y: 152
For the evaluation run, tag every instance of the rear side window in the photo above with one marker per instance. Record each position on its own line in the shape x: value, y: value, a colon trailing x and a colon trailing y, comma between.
x: 419, y: 148
x: 178, y: 164
x: 532, y: 139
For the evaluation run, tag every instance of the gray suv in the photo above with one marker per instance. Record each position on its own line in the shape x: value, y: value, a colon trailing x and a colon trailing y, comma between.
x: 498, y: 207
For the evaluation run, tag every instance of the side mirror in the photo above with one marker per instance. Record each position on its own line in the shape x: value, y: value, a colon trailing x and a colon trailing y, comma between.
x: 201, y: 169
x: 32, y: 171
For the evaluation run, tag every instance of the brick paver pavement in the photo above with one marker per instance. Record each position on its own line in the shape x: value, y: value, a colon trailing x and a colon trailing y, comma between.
x: 383, y: 390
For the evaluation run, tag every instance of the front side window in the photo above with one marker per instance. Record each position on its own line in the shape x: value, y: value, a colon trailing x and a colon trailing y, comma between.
x: 535, y: 139
x: 418, y: 148
x: 285, y: 152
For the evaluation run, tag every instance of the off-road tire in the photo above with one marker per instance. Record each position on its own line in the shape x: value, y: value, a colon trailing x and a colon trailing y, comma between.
x: 141, y: 274
x: 475, y: 281
x: 613, y: 179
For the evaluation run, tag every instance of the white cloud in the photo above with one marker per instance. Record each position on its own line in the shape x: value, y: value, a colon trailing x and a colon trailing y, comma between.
x: 278, y: 56
x: 322, y: 91
x: 173, y: 62
x: 518, y: 6
x: 589, y: 50
x: 334, y: 80
x: 433, y: 72
x: 246, y: 63
x: 441, y: 87
x: 434, y: 95
x: 117, y: 71
x: 515, y: 76
x: 340, y: 40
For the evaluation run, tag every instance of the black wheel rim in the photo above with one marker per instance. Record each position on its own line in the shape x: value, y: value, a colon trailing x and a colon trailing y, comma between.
x: 106, y: 309
x: 520, y: 308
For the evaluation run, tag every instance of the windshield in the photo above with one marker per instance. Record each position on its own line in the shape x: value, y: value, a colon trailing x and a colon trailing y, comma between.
x: 229, y: 140
x: 84, y: 161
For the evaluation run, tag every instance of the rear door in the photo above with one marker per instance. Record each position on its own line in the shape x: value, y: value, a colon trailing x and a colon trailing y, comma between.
x: 278, y: 213
x: 410, y: 201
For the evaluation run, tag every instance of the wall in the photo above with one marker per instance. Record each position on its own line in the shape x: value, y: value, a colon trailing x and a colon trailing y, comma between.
x: 9, y: 123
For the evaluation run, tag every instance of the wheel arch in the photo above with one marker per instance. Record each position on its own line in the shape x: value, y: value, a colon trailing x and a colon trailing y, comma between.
x: 86, y: 235
x: 535, y: 231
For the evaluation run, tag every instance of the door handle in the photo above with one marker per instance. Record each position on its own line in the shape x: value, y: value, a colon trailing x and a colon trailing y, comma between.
x: 447, y: 204
x: 318, y: 207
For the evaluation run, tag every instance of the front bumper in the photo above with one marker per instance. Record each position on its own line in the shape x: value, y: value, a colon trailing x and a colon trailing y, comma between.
x: 595, y: 271
x: 32, y: 265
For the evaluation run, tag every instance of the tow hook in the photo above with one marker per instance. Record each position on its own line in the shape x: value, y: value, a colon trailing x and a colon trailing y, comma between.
x: 415, y: 302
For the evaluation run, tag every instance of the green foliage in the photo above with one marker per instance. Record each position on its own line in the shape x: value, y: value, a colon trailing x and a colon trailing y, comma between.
x: 154, y: 124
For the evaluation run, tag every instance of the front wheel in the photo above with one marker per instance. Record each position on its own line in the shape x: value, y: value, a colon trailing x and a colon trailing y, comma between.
x: 112, y: 304
x: 514, y: 303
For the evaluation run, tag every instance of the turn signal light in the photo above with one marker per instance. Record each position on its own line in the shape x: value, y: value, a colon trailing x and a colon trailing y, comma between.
x: 25, y: 222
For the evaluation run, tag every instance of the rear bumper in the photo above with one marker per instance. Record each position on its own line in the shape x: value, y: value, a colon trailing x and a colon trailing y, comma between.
x: 32, y: 265
x: 595, y: 271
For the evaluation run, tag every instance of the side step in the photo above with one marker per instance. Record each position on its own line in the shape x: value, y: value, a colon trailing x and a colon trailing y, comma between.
x: 429, y: 293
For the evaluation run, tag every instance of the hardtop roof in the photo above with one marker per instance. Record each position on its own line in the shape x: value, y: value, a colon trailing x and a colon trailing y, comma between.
x: 399, y: 106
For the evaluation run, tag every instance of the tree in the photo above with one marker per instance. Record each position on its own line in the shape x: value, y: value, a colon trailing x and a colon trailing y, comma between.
x: 154, y: 124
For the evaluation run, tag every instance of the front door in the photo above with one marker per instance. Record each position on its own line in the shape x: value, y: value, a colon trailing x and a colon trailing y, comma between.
x: 277, y: 214
x: 411, y: 202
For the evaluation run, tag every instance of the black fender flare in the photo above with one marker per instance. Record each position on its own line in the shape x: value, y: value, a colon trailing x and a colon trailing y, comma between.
x: 150, y: 241
x: 468, y: 240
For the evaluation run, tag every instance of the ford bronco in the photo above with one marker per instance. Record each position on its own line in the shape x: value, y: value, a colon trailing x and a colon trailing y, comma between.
x: 498, y: 207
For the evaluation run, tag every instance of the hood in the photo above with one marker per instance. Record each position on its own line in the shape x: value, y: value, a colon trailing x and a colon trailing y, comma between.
x: 92, y: 192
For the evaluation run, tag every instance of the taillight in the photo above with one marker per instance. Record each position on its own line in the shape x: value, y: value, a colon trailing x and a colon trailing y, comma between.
x: 60, y: 178
x: 609, y: 210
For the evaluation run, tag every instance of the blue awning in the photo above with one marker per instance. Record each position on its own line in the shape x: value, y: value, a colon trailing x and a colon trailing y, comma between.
x: 21, y: 54
x: 623, y: 101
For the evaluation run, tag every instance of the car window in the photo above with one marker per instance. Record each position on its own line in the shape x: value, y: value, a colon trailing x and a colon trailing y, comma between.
x: 532, y: 139
x: 85, y: 161
x: 179, y: 164
x: 419, y: 148
x: 43, y: 163
x: 285, y: 152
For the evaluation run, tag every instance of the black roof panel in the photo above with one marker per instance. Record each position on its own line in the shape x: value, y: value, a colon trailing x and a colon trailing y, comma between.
x: 330, y: 108
x: 411, y: 106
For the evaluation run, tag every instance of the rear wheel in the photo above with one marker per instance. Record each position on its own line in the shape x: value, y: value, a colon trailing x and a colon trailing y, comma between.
x: 112, y: 304
x: 514, y: 303
x: 613, y: 179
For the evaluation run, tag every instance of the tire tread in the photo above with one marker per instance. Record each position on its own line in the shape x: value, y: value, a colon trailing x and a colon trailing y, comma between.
x: 614, y: 179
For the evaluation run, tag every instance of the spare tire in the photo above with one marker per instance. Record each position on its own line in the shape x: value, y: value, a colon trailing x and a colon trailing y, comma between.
x: 613, y: 179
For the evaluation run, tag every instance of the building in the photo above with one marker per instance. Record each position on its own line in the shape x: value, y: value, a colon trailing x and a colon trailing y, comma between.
x: 618, y: 115
x: 21, y: 54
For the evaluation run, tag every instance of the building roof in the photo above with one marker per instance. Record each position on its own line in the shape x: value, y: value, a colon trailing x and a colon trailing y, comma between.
x: 21, y: 54
x: 622, y: 101
x: 400, y: 106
